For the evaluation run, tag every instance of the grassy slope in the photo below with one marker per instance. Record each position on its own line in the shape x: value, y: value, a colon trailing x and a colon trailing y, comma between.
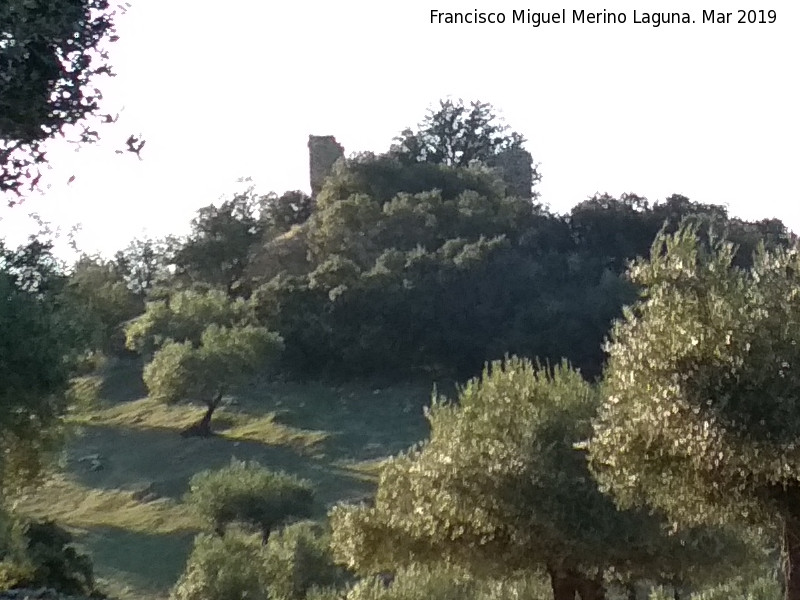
x: 333, y: 436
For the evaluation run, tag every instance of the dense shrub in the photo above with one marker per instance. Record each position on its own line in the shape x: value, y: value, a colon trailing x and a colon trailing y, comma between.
x: 239, y: 565
x: 449, y: 583
x: 40, y: 554
x: 251, y: 494
x: 224, y: 569
x: 299, y: 558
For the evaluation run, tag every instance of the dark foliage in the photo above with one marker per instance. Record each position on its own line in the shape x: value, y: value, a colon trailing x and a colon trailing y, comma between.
x: 50, y: 52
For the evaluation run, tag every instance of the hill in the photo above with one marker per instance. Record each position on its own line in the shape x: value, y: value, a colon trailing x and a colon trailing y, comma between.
x: 125, y: 467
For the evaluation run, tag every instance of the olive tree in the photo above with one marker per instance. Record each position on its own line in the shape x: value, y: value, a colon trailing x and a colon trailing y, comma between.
x: 200, y: 346
x: 700, y: 415
x: 251, y: 494
x: 224, y: 358
x: 183, y: 316
x: 501, y: 486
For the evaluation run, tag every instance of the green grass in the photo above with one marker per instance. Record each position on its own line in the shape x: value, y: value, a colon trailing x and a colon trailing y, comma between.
x: 233, y: 425
x: 121, y: 443
x: 79, y: 506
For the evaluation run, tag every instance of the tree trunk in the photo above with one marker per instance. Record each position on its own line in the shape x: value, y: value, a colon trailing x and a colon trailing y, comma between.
x: 630, y: 591
x: 591, y: 588
x: 219, y: 528
x: 203, y: 427
x: 791, y: 550
x: 265, y: 533
x: 563, y: 584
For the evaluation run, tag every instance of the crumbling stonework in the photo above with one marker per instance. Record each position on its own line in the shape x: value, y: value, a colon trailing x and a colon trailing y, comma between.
x: 323, y: 152
x: 515, y: 165
x: 516, y: 169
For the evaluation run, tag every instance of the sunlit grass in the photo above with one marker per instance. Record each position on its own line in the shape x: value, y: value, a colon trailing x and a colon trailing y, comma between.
x: 141, y: 414
x: 75, y: 505
x: 338, y: 437
x: 367, y: 470
x: 266, y: 431
x: 232, y: 425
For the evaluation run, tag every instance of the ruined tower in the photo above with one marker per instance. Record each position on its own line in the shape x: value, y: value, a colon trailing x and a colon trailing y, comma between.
x: 515, y: 165
x: 516, y: 169
x: 323, y: 152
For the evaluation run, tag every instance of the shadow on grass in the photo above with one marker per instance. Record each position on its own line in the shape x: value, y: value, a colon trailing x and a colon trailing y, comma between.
x: 363, y: 423
x: 122, y: 380
x: 147, y: 562
x: 130, y: 458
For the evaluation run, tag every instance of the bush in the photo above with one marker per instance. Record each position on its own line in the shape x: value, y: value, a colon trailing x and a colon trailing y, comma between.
x: 224, y: 569
x: 40, y: 554
x: 299, y: 558
x: 418, y: 583
x: 445, y: 582
x: 250, y: 494
x: 295, y: 561
x: 740, y: 588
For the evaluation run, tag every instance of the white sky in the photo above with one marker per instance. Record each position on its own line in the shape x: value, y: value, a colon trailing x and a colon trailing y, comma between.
x: 706, y: 110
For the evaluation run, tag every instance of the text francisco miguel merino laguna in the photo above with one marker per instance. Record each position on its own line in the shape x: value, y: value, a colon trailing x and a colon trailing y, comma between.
x: 654, y: 19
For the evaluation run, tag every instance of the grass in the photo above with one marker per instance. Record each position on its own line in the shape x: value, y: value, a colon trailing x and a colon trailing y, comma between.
x: 233, y: 425
x: 79, y: 506
x: 369, y: 470
x: 265, y: 430
x: 335, y: 436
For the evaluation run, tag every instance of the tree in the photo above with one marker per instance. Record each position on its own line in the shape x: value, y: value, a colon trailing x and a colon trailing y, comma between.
x: 143, y: 264
x: 37, y: 336
x: 501, y: 487
x: 40, y: 554
x: 700, y: 415
x: 51, y: 54
x: 456, y: 134
x: 224, y: 358
x: 200, y: 346
x: 103, y: 301
x: 217, y: 250
x: 280, y: 213
x: 224, y: 568
x: 183, y: 316
x: 249, y: 494
x: 295, y: 561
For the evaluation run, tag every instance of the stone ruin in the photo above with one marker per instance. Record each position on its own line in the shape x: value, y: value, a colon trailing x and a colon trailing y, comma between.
x: 516, y: 169
x: 323, y: 152
x: 515, y: 165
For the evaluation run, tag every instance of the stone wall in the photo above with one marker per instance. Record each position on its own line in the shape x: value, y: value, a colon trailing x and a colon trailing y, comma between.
x: 515, y: 165
x: 516, y: 168
x: 323, y: 152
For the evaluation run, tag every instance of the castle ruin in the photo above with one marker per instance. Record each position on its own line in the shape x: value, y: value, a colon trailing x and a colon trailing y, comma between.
x: 515, y: 165
x: 323, y: 152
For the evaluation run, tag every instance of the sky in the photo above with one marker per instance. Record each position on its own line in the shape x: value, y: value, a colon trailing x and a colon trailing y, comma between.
x: 222, y: 91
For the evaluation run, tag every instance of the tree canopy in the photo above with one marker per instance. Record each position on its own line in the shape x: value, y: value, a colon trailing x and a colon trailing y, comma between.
x: 37, y: 337
x: 51, y: 54
x: 456, y: 134
x: 700, y: 415
x: 199, y: 347
x: 501, y: 486
x: 249, y: 494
